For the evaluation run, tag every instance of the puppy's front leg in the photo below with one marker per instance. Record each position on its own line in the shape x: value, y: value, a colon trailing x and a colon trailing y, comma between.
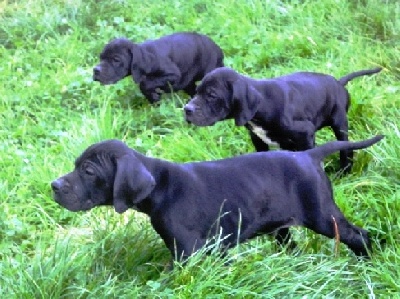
x: 301, y: 133
x: 180, y: 241
x: 150, y: 90
x: 153, y: 85
x: 168, y: 76
x: 259, y: 144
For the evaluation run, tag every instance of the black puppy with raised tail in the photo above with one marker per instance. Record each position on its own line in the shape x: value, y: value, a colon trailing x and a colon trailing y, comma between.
x: 285, y: 111
x: 239, y: 197
x: 172, y: 62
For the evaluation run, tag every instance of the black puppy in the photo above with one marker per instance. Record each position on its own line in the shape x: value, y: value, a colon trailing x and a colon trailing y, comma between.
x: 285, y: 111
x: 175, y: 61
x: 238, y: 197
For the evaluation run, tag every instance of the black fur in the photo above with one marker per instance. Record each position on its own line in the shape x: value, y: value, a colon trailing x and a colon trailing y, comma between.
x: 289, y: 109
x: 173, y: 62
x: 239, y: 197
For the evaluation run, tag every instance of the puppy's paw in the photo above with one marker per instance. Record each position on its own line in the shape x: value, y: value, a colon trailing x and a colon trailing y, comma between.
x: 154, y: 97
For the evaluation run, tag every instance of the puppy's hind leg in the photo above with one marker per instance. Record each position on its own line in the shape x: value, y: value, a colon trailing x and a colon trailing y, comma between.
x: 354, y: 237
x: 340, y: 129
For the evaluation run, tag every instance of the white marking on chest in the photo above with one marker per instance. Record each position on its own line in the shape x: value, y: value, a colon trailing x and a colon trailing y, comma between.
x: 262, y: 134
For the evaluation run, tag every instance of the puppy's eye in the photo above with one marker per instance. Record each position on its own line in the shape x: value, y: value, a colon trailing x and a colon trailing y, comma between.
x: 211, y: 94
x: 211, y: 97
x: 89, y: 171
x: 116, y: 59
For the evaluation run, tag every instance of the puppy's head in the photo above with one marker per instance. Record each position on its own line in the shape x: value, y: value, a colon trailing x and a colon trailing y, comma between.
x: 107, y: 173
x: 222, y: 94
x: 115, y: 61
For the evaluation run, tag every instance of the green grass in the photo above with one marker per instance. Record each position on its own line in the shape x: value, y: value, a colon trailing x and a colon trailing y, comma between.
x: 51, y: 111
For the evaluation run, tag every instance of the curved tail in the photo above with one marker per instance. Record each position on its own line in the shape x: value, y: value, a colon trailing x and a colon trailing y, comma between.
x: 320, y: 152
x: 344, y: 80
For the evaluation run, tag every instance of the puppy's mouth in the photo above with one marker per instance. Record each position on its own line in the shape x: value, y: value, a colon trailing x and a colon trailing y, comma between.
x: 198, y: 123
x: 73, y: 204
x: 103, y: 81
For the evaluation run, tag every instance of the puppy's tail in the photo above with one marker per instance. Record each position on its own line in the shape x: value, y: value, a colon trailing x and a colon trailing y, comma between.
x: 320, y: 152
x: 344, y: 80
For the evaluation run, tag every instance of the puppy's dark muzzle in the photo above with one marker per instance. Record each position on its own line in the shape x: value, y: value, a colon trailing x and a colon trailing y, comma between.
x: 189, y: 109
x: 56, y: 186
x: 59, y: 186
x: 96, y: 73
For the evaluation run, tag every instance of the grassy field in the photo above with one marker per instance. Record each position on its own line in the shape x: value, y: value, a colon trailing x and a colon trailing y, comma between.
x: 51, y: 111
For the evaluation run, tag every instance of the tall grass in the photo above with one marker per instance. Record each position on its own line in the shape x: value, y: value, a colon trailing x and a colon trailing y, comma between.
x: 51, y: 111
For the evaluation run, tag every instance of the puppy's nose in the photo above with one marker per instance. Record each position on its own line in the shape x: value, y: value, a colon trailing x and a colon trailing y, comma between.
x: 96, y: 70
x: 56, y: 185
x: 189, y: 109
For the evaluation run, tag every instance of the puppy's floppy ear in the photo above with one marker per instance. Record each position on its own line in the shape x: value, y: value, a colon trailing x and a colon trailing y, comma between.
x: 132, y: 183
x: 136, y: 75
x: 142, y: 63
x: 245, y: 100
